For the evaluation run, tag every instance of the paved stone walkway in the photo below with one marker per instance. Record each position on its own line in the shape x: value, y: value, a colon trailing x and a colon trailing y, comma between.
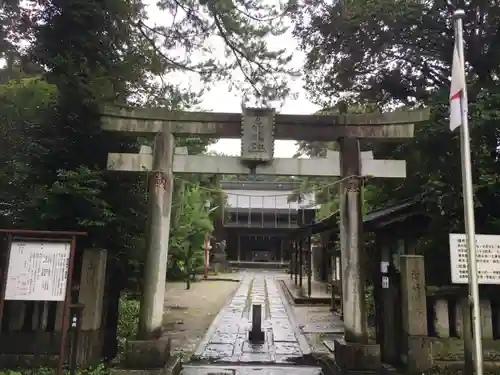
x: 250, y: 370
x: 227, y: 339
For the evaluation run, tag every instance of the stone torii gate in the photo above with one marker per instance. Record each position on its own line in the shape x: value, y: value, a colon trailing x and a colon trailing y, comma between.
x: 258, y: 128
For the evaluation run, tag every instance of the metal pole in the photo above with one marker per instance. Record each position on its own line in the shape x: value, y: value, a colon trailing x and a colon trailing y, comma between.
x: 469, y: 205
x: 76, y: 312
x: 67, y: 301
x: 4, y: 276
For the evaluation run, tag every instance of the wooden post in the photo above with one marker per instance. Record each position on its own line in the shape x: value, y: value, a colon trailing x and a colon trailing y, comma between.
x: 341, y: 290
x: 388, y: 304
x: 91, y: 297
x: 301, y: 259
x: 92, y: 282
x: 296, y: 265
x: 333, y: 260
x: 281, y: 249
x: 309, y: 267
x: 17, y: 313
x: 207, y: 256
x: 467, y: 336
x: 239, y: 248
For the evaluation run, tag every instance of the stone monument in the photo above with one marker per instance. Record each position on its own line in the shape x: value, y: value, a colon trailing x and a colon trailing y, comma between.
x: 219, y: 257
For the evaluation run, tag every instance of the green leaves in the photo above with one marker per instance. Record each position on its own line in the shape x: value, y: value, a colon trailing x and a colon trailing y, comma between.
x: 78, y: 193
x: 77, y: 55
x: 233, y: 29
x: 397, y: 54
x: 391, y: 51
x: 191, y: 221
x: 26, y: 106
x: 128, y: 320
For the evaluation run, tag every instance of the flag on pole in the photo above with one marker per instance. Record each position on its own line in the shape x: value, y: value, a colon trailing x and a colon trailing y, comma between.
x: 459, y: 118
x: 457, y: 91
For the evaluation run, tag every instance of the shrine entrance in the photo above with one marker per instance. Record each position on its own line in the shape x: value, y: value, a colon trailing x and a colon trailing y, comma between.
x: 259, y: 219
x: 258, y: 128
x: 262, y: 248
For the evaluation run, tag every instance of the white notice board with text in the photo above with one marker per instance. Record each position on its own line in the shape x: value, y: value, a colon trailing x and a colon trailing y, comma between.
x: 38, y: 271
x: 488, y: 258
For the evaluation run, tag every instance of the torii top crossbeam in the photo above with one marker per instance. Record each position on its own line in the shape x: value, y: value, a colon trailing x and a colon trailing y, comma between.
x: 387, y: 126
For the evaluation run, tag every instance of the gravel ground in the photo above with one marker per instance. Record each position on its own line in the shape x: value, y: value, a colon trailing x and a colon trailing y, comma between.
x: 189, y: 313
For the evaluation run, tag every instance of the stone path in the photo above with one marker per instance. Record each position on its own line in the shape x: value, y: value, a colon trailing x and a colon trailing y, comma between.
x: 250, y: 370
x: 227, y: 339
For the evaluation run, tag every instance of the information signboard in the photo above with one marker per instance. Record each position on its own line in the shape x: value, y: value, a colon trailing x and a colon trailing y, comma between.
x: 257, y: 138
x: 488, y: 258
x: 38, y: 271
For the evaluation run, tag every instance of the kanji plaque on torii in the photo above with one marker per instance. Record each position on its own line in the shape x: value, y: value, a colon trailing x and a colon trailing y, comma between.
x: 258, y: 129
x: 257, y: 134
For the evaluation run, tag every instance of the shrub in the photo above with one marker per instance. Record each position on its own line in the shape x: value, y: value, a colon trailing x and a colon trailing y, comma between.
x: 128, y: 320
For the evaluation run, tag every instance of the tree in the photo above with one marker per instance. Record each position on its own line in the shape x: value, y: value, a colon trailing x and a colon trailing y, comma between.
x: 207, y: 39
x: 187, y: 237
x: 25, y: 107
x: 239, y: 28
x: 392, y: 54
x: 393, y: 51
x: 92, y: 53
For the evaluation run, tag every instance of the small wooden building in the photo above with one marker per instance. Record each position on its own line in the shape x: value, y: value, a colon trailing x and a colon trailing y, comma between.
x: 419, y: 324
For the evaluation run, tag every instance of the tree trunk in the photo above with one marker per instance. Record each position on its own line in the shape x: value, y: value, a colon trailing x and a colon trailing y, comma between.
x: 188, y: 274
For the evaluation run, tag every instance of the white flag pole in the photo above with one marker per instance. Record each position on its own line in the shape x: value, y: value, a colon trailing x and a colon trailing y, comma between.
x: 469, y: 204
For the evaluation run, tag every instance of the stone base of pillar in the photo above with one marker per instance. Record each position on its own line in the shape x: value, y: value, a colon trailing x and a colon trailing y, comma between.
x: 420, y: 358
x: 172, y: 367
x: 357, y: 357
x: 147, y: 354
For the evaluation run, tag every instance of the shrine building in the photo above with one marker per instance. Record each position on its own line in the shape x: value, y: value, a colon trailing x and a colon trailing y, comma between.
x: 259, y: 218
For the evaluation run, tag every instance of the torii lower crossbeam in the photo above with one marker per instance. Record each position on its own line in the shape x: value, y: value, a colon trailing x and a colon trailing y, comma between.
x: 314, y: 167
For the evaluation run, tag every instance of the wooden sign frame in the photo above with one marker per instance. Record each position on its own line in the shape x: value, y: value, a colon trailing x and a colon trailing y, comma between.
x: 41, y: 236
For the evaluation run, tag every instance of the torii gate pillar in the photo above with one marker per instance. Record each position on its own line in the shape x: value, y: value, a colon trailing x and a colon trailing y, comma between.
x: 353, y: 288
x: 161, y: 184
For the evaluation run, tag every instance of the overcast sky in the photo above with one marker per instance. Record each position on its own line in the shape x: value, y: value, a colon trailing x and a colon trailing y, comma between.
x: 220, y: 99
